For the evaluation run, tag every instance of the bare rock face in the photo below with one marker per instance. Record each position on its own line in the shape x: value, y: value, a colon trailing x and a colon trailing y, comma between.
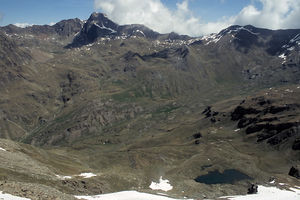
x: 68, y: 28
x: 98, y: 25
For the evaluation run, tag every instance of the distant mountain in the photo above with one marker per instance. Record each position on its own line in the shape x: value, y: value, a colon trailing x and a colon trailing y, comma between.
x: 64, y: 28
x: 244, y: 37
x: 99, y: 25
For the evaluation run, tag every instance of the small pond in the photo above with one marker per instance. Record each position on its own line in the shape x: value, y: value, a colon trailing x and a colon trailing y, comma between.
x: 229, y: 176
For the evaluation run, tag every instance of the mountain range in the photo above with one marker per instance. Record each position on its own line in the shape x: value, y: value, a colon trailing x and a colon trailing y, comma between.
x: 131, y: 105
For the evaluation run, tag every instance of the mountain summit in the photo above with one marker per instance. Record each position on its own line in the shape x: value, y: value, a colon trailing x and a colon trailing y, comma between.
x: 98, y: 25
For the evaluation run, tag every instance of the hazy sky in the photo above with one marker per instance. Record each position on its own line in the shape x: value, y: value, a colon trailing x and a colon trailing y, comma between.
x: 192, y: 17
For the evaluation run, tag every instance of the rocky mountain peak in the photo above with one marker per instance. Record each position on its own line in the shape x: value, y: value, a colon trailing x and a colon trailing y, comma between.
x: 101, y: 21
x: 68, y: 27
x: 98, y: 25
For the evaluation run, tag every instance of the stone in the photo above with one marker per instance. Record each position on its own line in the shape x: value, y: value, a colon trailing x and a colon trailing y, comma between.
x: 253, y: 189
x: 294, y: 171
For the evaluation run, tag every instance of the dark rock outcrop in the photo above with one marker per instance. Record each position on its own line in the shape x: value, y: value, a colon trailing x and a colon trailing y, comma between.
x: 241, y: 111
x: 269, y: 121
x: 197, y: 135
x: 294, y: 171
x: 253, y: 189
x: 296, y: 145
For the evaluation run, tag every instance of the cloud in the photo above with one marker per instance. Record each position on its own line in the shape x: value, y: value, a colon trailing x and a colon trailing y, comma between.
x: 154, y: 14
x: 22, y: 25
x: 274, y: 14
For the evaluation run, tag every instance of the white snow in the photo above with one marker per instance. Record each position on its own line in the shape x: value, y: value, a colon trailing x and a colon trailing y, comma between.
x: 23, y: 25
x: 84, y: 175
x: 211, y: 38
x: 272, y: 182
x: 87, y: 175
x: 125, y: 195
x: 265, y: 193
x: 10, y: 197
x: 163, y: 185
x: 283, y: 57
x: 236, y: 130
x: 1, y: 149
x: 288, y: 90
x: 295, y: 39
x: 63, y: 177
x: 242, y: 28
x: 104, y: 27
x: 139, y: 31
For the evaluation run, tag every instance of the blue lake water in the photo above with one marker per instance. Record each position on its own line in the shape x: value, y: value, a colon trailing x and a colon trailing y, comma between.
x: 229, y: 176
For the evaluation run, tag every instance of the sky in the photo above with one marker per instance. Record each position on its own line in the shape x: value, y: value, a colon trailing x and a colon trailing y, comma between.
x: 190, y: 17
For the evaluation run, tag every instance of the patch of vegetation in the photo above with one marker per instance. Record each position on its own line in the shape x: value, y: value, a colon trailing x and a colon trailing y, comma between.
x: 166, y: 109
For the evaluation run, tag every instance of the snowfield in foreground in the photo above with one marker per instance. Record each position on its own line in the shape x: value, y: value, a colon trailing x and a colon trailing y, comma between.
x: 163, y: 185
x: 266, y: 193
x: 10, y: 197
x: 126, y: 195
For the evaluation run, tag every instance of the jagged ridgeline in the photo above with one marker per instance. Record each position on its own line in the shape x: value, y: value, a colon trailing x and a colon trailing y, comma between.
x: 135, y: 104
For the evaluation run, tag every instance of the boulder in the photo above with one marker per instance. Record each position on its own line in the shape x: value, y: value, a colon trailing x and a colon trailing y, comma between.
x: 294, y: 171
x: 253, y: 189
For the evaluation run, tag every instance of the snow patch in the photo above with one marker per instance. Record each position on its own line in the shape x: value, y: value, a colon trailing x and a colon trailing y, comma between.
x: 269, y: 193
x: 295, y: 39
x: 212, y: 38
x: 1, y: 149
x: 139, y: 31
x: 125, y: 195
x: 87, y: 175
x: 243, y: 28
x: 288, y: 90
x: 236, y: 130
x: 10, y: 197
x: 283, y: 56
x: 163, y: 185
x: 104, y: 27
x: 63, y: 177
x: 23, y: 25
